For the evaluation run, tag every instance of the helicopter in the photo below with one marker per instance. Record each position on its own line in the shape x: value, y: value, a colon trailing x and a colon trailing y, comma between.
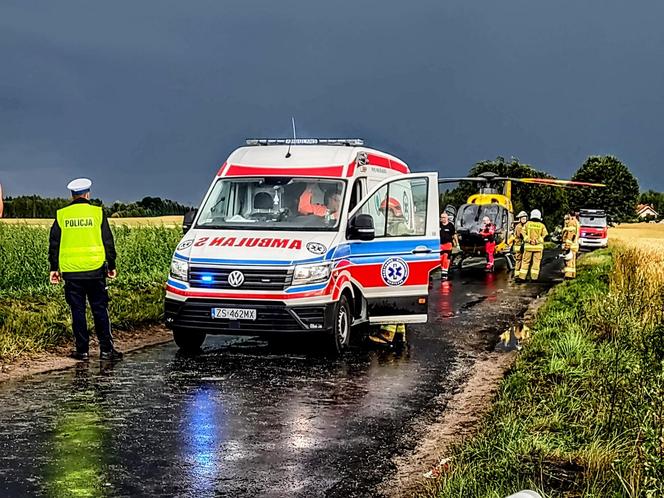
x: 495, y: 203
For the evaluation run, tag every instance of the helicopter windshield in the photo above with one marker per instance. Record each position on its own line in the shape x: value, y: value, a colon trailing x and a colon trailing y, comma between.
x: 470, y: 215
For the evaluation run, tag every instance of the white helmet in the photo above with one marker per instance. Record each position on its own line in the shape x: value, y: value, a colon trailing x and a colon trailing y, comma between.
x: 535, y: 214
x: 522, y: 214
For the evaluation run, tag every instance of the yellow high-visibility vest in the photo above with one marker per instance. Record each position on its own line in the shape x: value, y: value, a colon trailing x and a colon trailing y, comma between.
x: 81, y: 245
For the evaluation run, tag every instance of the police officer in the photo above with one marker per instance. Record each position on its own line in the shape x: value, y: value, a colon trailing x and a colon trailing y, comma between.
x: 82, y: 252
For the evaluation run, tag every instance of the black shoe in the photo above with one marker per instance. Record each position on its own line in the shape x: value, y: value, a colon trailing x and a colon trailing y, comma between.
x: 80, y: 356
x: 111, y: 355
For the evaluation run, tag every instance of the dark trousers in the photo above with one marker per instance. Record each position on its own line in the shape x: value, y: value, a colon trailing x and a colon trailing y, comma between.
x: 96, y: 292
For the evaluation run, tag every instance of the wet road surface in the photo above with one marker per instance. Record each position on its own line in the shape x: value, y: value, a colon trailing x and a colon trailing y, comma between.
x: 244, y: 420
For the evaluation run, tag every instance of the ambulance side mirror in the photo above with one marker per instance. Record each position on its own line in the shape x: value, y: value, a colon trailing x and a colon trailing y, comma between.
x: 188, y: 221
x: 361, y: 227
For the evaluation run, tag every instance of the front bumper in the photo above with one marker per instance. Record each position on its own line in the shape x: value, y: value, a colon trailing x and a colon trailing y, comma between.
x: 272, y: 317
x: 586, y: 242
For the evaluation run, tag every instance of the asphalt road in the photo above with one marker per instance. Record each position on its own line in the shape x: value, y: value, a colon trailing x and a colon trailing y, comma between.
x: 244, y: 420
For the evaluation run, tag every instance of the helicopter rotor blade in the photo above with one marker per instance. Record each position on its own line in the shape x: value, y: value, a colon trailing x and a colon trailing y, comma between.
x: 553, y: 182
x: 463, y: 179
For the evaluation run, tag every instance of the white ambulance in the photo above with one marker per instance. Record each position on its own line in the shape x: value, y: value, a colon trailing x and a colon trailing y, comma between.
x: 315, y: 236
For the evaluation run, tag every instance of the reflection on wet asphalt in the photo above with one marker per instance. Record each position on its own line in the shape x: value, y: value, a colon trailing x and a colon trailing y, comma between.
x: 242, y: 419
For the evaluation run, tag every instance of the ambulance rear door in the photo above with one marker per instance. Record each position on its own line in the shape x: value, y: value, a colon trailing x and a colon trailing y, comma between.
x: 392, y: 265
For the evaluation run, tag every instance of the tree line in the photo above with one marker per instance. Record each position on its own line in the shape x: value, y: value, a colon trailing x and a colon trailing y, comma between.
x: 619, y: 198
x: 34, y: 206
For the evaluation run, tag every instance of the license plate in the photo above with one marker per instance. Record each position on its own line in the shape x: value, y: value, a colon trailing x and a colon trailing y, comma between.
x: 233, y: 314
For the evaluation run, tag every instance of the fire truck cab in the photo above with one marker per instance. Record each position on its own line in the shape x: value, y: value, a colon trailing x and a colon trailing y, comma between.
x: 594, y: 231
x: 315, y: 236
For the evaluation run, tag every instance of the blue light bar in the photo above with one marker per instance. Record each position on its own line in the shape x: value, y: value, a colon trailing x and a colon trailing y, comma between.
x: 305, y: 141
x: 207, y: 279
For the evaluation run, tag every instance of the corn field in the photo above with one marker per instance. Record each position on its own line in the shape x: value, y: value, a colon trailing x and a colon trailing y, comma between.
x: 33, y: 313
x: 144, y: 255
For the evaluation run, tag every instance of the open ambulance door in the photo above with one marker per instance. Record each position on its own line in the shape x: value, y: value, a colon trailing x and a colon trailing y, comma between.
x: 392, y: 265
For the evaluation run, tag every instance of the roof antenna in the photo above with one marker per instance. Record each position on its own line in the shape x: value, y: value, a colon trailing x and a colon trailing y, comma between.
x: 288, y: 154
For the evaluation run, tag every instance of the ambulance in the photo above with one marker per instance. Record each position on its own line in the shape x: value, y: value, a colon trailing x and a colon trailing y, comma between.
x: 305, y: 236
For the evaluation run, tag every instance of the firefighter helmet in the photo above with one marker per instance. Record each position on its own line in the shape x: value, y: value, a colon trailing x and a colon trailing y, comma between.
x: 393, y: 205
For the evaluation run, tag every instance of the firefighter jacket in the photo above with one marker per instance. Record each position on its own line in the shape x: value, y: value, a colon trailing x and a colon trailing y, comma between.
x: 534, y: 233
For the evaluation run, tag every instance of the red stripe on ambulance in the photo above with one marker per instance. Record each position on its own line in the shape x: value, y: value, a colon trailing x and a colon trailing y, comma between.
x: 249, y: 242
x: 317, y: 171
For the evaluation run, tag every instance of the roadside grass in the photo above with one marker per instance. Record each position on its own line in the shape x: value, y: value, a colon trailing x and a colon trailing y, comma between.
x: 34, y: 315
x: 581, y: 413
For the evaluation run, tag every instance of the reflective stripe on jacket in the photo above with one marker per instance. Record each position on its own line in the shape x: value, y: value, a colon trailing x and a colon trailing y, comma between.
x: 81, y: 245
x: 534, y: 233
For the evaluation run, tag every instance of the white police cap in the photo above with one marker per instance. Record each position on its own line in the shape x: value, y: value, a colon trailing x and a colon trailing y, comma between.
x: 80, y: 185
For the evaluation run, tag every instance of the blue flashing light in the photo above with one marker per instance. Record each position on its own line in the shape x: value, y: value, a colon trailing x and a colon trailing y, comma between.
x: 208, y: 279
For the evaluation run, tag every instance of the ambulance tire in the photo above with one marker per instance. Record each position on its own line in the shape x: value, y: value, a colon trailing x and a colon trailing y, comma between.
x: 339, y: 339
x: 188, y: 341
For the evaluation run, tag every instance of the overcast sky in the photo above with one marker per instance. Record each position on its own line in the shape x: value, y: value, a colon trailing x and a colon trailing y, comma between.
x: 149, y: 97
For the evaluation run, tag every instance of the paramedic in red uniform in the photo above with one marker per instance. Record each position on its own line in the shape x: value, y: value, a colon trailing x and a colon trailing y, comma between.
x: 308, y: 202
x: 488, y: 233
x: 448, y: 239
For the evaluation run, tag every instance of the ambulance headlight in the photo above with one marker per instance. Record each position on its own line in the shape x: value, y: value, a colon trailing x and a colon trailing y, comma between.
x: 180, y: 269
x: 311, y: 274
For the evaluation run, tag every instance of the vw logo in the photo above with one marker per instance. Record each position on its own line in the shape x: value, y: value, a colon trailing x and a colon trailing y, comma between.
x: 235, y: 278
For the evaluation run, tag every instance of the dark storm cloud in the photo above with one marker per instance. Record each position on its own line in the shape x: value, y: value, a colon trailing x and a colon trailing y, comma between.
x: 148, y: 97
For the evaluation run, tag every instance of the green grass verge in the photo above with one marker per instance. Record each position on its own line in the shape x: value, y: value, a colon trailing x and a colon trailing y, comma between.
x: 34, y: 315
x: 581, y: 411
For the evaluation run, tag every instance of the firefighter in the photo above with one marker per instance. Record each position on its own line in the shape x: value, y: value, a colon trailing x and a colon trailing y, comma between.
x: 82, y: 253
x: 488, y: 234
x: 518, y: 241
x: 570, y: 245
x: 534, y: 233
x: 448, y: 240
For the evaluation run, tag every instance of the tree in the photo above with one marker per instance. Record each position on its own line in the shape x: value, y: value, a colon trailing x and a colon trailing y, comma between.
x: 551, y: 201
x: 618, y: 198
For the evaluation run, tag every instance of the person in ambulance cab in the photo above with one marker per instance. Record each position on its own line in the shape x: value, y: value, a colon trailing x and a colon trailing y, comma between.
x: 82, y: 252
x: 319, y: 203
x: 488, y: 233
x: 397, y: 224
x: 312, y: 201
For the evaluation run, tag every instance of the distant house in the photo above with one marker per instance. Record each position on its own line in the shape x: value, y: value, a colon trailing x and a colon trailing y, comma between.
x: 644, y: 211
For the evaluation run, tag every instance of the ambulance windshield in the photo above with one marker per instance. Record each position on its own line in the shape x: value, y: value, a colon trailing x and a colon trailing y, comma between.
x: 273, y: 203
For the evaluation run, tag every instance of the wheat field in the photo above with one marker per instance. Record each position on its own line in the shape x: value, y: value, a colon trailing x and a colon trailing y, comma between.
x: 167, y: 221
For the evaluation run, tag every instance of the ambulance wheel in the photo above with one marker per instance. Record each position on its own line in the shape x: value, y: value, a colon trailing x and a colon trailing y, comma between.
x: 339, y: 339
x: 189, y: 341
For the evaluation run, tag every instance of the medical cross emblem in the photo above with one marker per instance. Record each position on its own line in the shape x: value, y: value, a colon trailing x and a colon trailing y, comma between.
x: 394, y: 272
